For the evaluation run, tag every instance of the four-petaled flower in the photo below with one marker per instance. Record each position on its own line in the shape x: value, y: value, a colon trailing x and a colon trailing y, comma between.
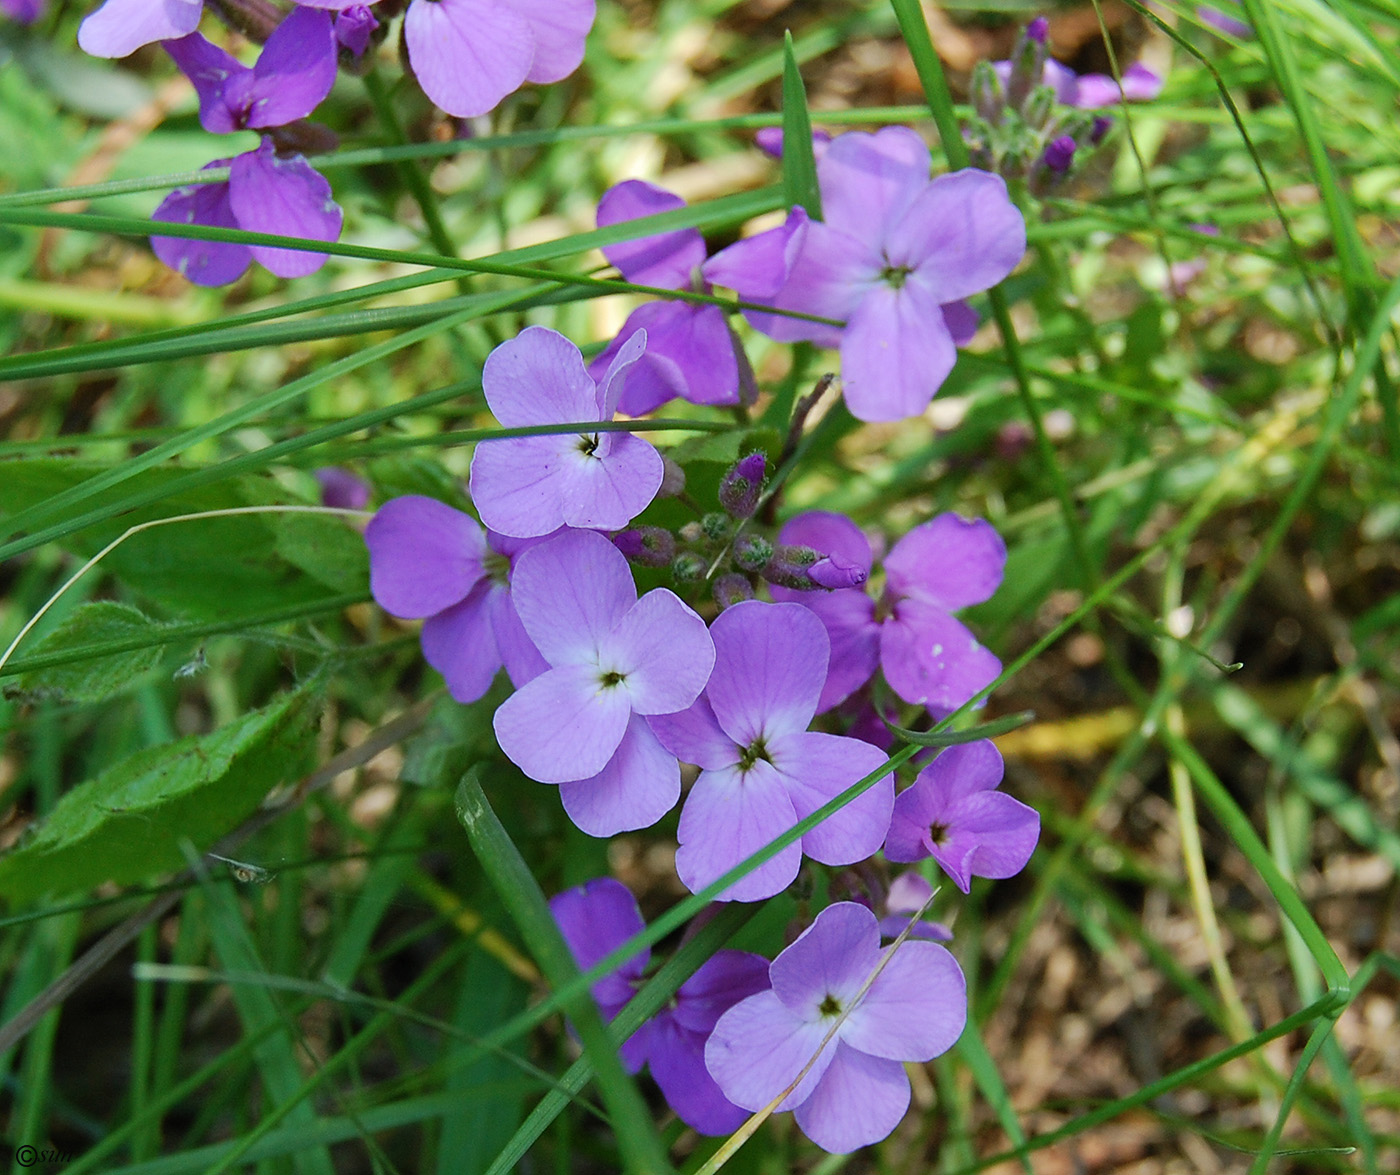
x: 762, y: 769
x: 954, y: 814
x: 840, y: 1019
x: 613, y: 658
x: 600, y: 916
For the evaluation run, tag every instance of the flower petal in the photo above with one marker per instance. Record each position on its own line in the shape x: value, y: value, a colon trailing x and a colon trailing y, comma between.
x: 759, y: 1047
x: 653, y: 379
x: 693, y: 736
x: 559, y: 28
x: 296, y: 70
x: 609, y: 389
x: 677, y: 1059
x: 639, y: 785
x: 538, y: 377
x: 606, y: 489
x: 830, y: 275
x: 948, y: 561
x: 868, y: 181
x: 667, y: 259
x: 424, y: 556
x: 522, y: 660
x: 570, y: 593
x: 770, y: 661
x: 690, y: 353
x: 932, y: 660
x: 961, y: 236
x: 999, y: 832
x: 832, y: 957
x: 467, y: 54
x: 819, y: 767
x: 120, y: 27
x: 209, y: 69
x: 286, y: 196
x: 721, y: 981
x: 515, y: 484
x: 915, y: 1009
x: 460, y: 644
x: 859, y: 1100
x: 664, y: 650
x: 896, y: 353
x: 757, y: 267
x: 728, y: 816
x: 849, y: 617
x: 562, y: 726
x: 831, y: 534
x: 595, y: 919
x: 206, y: 263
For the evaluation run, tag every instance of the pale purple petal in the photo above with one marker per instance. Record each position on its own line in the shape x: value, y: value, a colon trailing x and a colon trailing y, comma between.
x: 959, y: 773
x: 932, y: 660
x: 894, y: 925
x: 724, y: 979
x: 341, y: 489
x: 595, y: 919
x: 120, y: 27
x: 467, y: 54
x: 522, y: 660
x: 460, y: 644
x: 1224, y: 22
x: 562, y: 726
x: 992, y: 835
x: 832, y: 957
x: 639, y: 785
x: 206, y: 263
x: 915, y: 1009
x: 559, y: 28
x: 728, y: 816
x: 819, y: 767
x: 424, y: 556
x: 1060, y: 78
x: 295, y: 71
x: 209, y: 69
x: 694, y: 736
x: 830, y: 275
x: 285, y: 196
x: 607, y: 488
x: 1094, y: 91
x: 653, y: 379
x: 858, y: 1101
x: 868, y: 181
x: 961, y: 321
x: 609, y: 389
x: 759, y: 1047
x: 677, y: 1059
x: 757, y: 266
x: 849, y: 618
x: 962, y: 236
x: 354, y: 26
x: 909, y: 893
x: 915, y: 809
x: 1140, y: 84
x: 667, y: 259
x: 896, y: 353
x: 948, y: 561
x: 515, y: 483
x: 770, y: 662
x: 570, y: 593
x: 664, y: 651
x: 538, y: 377
x: 690, y: 354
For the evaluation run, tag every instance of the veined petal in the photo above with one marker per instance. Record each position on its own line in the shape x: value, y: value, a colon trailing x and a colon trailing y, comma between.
x: 664, y: 650
x: 991, y: 834
x: 639, y: 785
x: 460, y: 644
x: 868, y: 181
x: 859, y: 1100
x: 515, y: 483
x: 696, y: 342
x: 522, y: 660
x: 609, y: 388
x: 677, y: 1059
x: 759, y: 1047
x: 819, y: 767
x: 933, y: 660
x: 961, y: 772
x: 286, y: 196
x: 849, y: 617
x: 570, y: 593
x: 562, y: 726
x: 606, y: 489
x: 770, y: 662
x: 209, y: 69
x: 206, y: 263
x: 757, y: 267
x: 915, y: 1009
x: 468, y: 54
x: 832, y: 957
x: 538, y: 377
x: 666, y: 259
x: 120, y: 27
x: 961, y: 236
x: 721, y: 981
x: 728, y: 816
x: 595, y: 919
x: 559, y: 28
x: 693, y: 736
x: 831, y: 275
x: 653, y: 379
x: 831, y: 534
x: 896, y: 353
x: 424, y: 556
x: 296, y: 70
x: 948, y: 561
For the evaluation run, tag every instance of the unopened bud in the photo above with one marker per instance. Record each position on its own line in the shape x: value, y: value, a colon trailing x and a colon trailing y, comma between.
x: 988, y: 94
x: 672, y: 478
x: 739, y: 490
x: 1039, y: 29
x: 687, y: 567
x: 788, y: 567
x: 752, y: 552
x: 834, y: 572
x: 715, y: 525
x: 692, y: 532
x: 1040, y: 107
x: 651, y: 546
x: 1059, y: 154
x: 1027, y: 67
x: 732, y: 589
x: 1100, y: 127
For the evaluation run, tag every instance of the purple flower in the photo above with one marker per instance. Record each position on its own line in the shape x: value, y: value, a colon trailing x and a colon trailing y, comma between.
x: 690, y: 351
x: 1093, y: 91
x: 427, y: 560
x: 769, y: 140
x: 1059, y: 154
x: 293, y: 75
x: 954, y: 814
x: 120, y: 27
x: 600, y: 916
x: 893, y: 250
x: 909, y: 893
x: 612, y: 658
x: 928, y: 657
x: 354, y: 27
x: 1227, y: 22
x: 341, y: 489
x: 265, y: 193
x: 762, y: 770
x: 825, y: 1010
x: 23, y: 11
x: 528, y: 486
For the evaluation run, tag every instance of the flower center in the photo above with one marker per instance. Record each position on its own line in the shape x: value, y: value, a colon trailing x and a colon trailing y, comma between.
x: 937, y: 833
x: 830, y: 1006
x: 612, y: 679
x: 497, y: 567
x: 894, y: 275
x: 752, y: 753
x: 588, y: 444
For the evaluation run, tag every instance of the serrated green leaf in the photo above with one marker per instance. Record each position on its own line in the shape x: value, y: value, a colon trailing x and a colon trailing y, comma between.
x: 127, y: 824
x: 102, y: 676
x: 799, y: 162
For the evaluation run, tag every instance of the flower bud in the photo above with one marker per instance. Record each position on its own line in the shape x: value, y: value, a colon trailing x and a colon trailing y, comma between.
x: 692, y: 532
x: 1027, y: 67
x: 788, y: 567
x: 1039, y: 29
x: 651, y: 546
x: 1059, y: 154
x: 1099, y: 128
x: 1040, y: 107
x: 739, y: 490
x: 687, y: 567
x: 834, y: 572
x: 672, y: 478
x: 715, y: 525
x: 988, y: 94
x: 732, y: 589
x: 752, y: 552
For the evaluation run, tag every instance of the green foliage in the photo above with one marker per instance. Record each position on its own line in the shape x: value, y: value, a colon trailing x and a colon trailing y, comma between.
x: 95, y: 678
